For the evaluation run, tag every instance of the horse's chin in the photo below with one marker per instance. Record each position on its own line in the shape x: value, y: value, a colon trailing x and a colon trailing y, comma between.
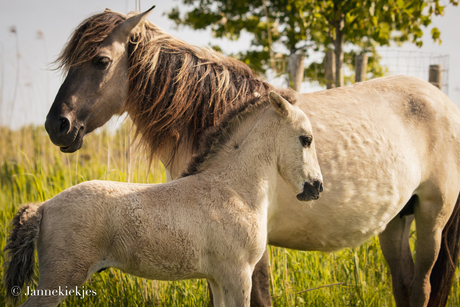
x: 76, y: 144
x: 307, y: 196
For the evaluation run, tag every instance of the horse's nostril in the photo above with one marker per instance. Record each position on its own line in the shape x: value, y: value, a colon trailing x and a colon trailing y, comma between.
x: 318, y: 185
x: 63, y: 126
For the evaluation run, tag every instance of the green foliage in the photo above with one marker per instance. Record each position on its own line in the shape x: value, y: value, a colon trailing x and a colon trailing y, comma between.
x: 382, y: 21
x: 299, y: 25
x: 288, y: 22
x: 32, y: 170
x: 370, y: 23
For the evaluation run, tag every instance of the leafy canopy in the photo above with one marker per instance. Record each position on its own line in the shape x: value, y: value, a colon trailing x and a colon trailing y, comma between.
x: 289, y: 26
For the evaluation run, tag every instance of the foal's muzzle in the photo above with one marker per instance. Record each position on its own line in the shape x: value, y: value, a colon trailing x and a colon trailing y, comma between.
x: 310, y: 191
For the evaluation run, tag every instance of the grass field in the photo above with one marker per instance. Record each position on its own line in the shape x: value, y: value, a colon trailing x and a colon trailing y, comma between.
x: 32, y: 170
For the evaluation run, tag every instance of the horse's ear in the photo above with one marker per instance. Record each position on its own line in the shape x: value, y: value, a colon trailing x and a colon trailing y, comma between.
x: 281, y: 105
x: 122, y: 31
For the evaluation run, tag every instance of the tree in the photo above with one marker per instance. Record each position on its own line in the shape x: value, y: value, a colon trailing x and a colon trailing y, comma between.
x: 281, y: 23
x: 375, y: 23
x: 297, y: 25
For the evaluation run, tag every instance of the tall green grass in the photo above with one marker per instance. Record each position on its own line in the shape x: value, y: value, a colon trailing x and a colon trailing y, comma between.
x: 33, y: 170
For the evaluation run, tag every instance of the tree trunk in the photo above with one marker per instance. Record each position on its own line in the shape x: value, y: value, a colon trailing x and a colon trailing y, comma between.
x: 296, y: 70
x: 338, y: 50
x: 329, y: 69
x: 360, y: 67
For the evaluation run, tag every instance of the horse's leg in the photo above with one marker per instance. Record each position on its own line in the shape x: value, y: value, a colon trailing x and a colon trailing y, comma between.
x: 431, y: 215
x: 260, y: 291
x: 215, y: 294
x: 58, y: 272
x: 443, y: 271
x: 42, y: 301
x: 50, y: 281
x: 211, y: 295
x: 394, y: 241
x: 236, y: 288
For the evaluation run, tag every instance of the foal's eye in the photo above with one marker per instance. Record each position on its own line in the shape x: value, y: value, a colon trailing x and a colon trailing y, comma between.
x: 102, y: 62
x: 305, y: 140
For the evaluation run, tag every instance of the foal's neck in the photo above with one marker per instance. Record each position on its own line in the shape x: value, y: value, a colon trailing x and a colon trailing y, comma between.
x: 247, y: 162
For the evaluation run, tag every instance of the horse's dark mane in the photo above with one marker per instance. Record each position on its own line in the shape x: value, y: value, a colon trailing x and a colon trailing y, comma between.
x: 217, y: 136
x: 176, y: 91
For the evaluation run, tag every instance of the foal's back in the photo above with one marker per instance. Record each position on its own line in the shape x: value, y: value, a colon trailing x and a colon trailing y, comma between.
x: 160, y: 231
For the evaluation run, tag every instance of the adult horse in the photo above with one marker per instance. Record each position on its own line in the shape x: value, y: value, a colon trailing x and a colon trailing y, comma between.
x: 388, y: 148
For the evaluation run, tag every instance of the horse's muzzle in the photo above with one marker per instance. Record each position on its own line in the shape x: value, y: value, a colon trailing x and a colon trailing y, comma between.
x: 310, y: 191
x: 63, y: 133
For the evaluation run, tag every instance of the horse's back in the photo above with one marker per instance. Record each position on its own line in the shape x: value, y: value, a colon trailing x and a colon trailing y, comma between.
x: 413, y: 100
x: 377, y: 142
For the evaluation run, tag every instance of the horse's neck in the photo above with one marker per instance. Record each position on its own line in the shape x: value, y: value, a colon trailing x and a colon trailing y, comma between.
x: 189, y: 89
x: 176, y: 163
x: 247, y: 164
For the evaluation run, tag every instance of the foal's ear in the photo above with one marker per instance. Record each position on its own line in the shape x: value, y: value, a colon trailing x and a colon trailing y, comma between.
x: 281, y: 105
x: 122, y: 31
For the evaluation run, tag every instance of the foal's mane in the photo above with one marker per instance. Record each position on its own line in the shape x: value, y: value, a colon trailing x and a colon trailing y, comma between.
x: 216, y: 137
x: 176, y: 91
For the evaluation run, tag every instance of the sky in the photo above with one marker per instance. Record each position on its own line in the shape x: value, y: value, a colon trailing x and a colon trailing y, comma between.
x: 28, y: 83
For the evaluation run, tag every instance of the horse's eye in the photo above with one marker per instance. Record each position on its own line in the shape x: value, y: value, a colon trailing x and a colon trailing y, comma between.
x: 102, y: 62
x: 305, y: 140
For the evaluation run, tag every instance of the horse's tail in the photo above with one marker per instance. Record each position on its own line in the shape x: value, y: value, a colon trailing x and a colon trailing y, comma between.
x: 20, y: 249
x: 444, y: 269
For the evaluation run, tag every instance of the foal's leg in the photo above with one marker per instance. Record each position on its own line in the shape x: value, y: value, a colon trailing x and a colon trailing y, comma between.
x: 67, y: 274
x: 215, y: 293
x: 394, y: 242
x: 260, y: 291
x: 42, y: 301
x: 236, y: 288
x: 51, y: 281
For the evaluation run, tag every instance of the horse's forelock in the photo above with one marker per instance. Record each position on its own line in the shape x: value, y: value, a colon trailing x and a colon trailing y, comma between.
x: 86, y: 40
